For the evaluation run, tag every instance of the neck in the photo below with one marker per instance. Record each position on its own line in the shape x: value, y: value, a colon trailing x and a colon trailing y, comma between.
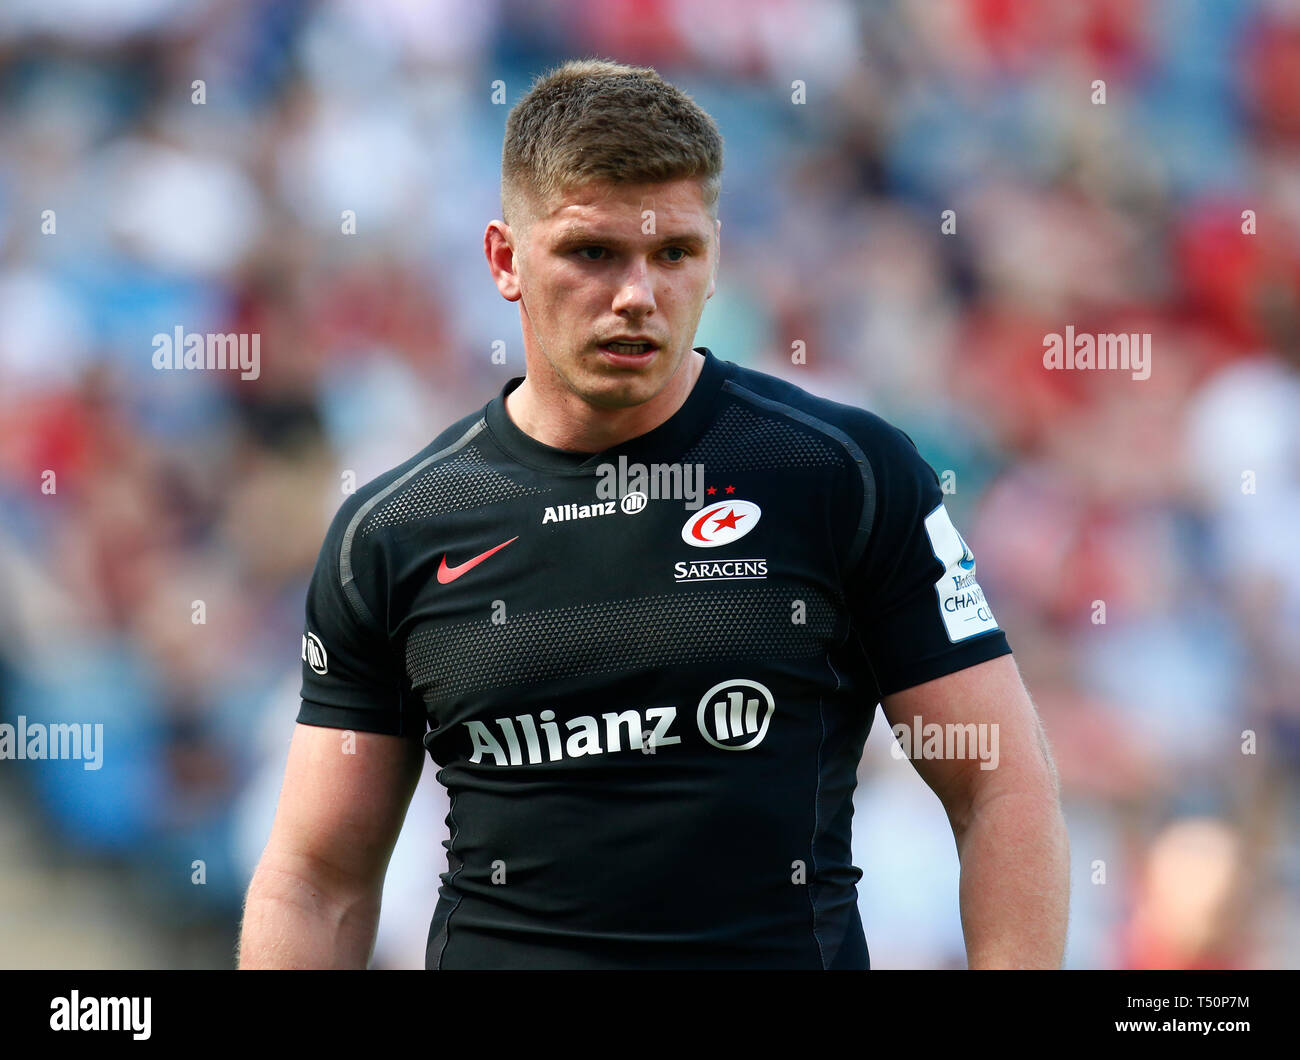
x: 563, y: 420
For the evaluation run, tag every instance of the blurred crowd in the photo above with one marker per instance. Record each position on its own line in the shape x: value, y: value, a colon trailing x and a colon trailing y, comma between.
x: 171, y: 163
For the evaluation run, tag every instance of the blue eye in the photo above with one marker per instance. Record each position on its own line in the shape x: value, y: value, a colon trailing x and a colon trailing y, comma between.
x: 682, y: 251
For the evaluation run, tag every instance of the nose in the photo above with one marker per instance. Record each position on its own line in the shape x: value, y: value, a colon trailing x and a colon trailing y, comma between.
x: 636, y: 296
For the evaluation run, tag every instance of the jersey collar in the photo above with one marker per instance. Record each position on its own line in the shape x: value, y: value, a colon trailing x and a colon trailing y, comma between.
x: 661, y: 444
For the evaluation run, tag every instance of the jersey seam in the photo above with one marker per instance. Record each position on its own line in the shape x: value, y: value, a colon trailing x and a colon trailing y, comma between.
x: 451, y: 849
x: 871, y: 668
x: 817, y: 803
x: 346, y: 577
x: 865, y: 518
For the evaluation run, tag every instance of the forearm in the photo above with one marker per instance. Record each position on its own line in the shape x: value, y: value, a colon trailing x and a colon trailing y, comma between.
x: 292, y: 921
x: 1015, y: 882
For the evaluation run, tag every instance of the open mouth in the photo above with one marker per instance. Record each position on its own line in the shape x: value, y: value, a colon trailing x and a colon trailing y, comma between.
x: 629, y: 349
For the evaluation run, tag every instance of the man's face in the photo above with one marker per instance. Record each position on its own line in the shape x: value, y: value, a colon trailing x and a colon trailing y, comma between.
x: 608, y: 261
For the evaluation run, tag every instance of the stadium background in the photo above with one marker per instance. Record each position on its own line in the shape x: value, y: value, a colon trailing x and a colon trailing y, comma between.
x: 1072, y: 487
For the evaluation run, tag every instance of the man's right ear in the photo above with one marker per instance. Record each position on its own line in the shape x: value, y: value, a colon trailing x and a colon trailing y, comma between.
x: 499, y: 248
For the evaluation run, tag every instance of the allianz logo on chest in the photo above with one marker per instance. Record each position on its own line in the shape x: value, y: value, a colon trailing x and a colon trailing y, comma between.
x: 733, y: 715
x: 718, y: 523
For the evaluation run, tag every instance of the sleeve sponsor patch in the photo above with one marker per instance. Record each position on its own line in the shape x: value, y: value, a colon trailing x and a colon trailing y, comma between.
x: 962, y: 606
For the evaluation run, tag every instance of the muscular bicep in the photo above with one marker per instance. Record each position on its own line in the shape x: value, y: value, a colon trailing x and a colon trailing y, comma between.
x: 986, y: 740
x: 342, y: 804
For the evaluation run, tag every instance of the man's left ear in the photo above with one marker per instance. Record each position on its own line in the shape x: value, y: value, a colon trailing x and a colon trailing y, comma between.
x: 713, y: 280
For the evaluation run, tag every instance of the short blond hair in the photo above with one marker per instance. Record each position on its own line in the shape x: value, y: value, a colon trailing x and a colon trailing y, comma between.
x: 593, y: 119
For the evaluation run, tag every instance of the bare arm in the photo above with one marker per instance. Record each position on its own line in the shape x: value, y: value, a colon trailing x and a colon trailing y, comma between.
x: 1007, y: 820
x: 314, y: 898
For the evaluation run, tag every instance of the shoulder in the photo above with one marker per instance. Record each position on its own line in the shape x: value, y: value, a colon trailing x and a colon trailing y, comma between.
x: 396, y: 496
x: 880, y: 487
x: 867, y: 438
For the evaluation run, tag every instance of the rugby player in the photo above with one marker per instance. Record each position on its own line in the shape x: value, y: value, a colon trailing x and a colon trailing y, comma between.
x: 647, y: 708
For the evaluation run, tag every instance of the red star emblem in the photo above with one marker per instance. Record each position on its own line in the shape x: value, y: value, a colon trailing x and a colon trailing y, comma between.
x: 711, y: 490
x: 729, y: 521
x: 731, y: 489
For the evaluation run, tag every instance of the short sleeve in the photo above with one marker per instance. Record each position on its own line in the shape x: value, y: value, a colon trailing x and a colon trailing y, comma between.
x: 350, y: 675
x: 917, y: 607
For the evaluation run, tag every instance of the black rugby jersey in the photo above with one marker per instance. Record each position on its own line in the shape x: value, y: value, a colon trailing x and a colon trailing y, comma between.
x: 646, y: 674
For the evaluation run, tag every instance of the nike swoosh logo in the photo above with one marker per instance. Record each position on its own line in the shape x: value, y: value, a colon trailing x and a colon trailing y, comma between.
x: 450, y: 574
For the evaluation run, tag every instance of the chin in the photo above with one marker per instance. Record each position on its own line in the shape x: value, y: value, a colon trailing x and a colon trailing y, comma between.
x: 620, y: 394
x: 615, y: 388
